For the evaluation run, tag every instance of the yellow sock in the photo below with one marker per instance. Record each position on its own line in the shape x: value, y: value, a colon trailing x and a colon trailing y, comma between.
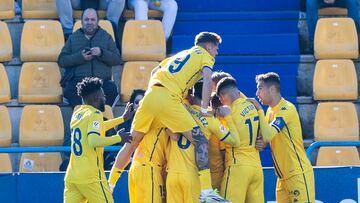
x: 115, y: 174
x: 205, y: 179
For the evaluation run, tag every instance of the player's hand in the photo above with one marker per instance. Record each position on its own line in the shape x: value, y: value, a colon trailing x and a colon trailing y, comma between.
x: 96, y: 51
x: 87, y: 55
x: 173, y: 136
x: 224, y: 111
x: 125, y: 136
x: 255, y: 102
x: 260, y: 144
x: 129, y: 111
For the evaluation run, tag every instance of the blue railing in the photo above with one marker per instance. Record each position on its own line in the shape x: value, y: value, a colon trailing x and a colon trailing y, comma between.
x: 315, y: 145
x: 48, y: 149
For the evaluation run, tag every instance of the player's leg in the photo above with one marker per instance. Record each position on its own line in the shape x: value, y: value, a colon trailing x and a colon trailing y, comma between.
x: 301, y: 187
x: 96, y: 192
x: 72, y: 194
x: 255, y: 191
x: 282, y: 193
x: 235, y: 183
x: 174, y: 191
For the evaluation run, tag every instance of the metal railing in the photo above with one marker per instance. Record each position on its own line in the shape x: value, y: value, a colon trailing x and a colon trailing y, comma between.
x: 316, y: 145
x: 48, y: 149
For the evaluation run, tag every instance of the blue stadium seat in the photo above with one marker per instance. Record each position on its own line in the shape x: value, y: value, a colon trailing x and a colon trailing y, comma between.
x: 247, y: 44
x: 238, y: 5
x: 236, y: 27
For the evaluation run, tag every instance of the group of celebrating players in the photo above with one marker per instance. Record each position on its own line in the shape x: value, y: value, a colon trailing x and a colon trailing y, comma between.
x: 191, y: 138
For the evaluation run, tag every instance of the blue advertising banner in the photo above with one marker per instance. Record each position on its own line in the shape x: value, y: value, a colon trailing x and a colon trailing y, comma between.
x: 333, y: 185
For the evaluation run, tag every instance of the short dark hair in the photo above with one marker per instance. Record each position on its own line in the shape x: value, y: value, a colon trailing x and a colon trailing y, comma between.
x: 88, y: 85
x: 207, y: 37
x: 82, y: 14
x: 198, y: 89
x: 135, y: 93
x: 225, y: 83
x: 269, y: 79
x: 218, y: 75
x: 215, y: 101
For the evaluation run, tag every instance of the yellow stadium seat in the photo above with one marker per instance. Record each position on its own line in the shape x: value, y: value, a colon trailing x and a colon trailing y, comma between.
x: 143, y: 41
x: 39, y: 83
x: 331, y: 11
x: 335, y: 79
x: 41, y: 41
x: 336, y: 38
x: 5, y: 126
x: 40, y: 162
x: 7, y: 9
x: 104, y: 24
x: 41, y: 125
x: 151, y: 13
x: 5, y: 165
x: 135, y: 75
x: 77, y: 14
x: 6, y: 49
x: 45, y: 9
x: 107, y: 114
x: 5, y: 95
x: 336, y: 121
x: 338, y: 156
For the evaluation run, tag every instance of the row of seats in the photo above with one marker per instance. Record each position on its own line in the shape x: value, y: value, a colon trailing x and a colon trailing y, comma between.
x: 40, y: 125
x: 39, y: 81
x: 32, y: 162
x: 46, y: 9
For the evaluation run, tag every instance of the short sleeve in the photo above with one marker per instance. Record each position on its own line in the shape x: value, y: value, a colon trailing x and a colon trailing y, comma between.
x: 218, y: 129
x: 95, y: 123
x: 207, y: 61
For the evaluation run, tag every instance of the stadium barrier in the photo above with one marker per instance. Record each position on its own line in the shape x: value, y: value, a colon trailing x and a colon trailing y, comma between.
x: 316, y: 145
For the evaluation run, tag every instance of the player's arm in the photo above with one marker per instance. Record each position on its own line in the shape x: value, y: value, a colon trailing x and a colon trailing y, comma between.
x: 206, y: 89
x: 269, y: 131
x: 123, y: 158
x: 128, y: 113
x: 228, y: 136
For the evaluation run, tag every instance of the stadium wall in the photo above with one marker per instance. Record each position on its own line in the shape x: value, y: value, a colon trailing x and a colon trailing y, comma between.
x: 333, y: 185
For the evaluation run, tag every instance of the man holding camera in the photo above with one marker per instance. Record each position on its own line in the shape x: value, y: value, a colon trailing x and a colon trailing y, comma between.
x: 89, y: 52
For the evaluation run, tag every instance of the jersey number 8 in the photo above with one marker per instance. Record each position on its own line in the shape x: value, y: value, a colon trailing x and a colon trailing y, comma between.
x: 76, y: 145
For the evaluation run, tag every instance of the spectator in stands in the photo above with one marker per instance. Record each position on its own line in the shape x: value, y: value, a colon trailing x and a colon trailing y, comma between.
x: 114, y: 9
x: 89, y: 52
x: 312, y: 7
x: 168, y: 7
x: 135, y: 98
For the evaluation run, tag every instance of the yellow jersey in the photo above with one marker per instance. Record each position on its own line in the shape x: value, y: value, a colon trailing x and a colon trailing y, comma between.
x: 86, y: 163
x: 216, y: 156
x: 152, y: 148
x: 180, y: 72
x: 246, y: 120
x: 182, y: 152
x: 286, y: 140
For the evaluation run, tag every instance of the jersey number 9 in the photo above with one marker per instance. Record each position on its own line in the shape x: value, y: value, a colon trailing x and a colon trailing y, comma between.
x: 76, y: 144
x: 178, y: 64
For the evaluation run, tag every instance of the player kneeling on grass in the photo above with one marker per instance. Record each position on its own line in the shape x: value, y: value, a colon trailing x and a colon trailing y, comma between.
x: 85, y: 178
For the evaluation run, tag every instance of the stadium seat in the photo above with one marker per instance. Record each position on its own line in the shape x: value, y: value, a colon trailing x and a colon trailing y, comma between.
x: 5, y: 126
x: 5, y: 165
x: 151, y: 13
x: 135, y: 75
x: 104, y: 24
x: 335, y: 80
x: 41, y: 125
x: 35, y: 9
x: 336, y: 121
x: 40, y: 162
x: 7, y: 9
x: 143, y: 41
x: 336, y: 38
x: 338, y: 156
x: 331, y: 11
x: 107, y: 114
x: 77, y: 14
x: 39, y: 83
x: 41, y: 41
x: 5, y: 95
x: 6, y: 49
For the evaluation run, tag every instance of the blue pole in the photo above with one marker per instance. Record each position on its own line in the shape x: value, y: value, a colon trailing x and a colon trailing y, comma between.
x: 315, y: 145
x: 48, y: 149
